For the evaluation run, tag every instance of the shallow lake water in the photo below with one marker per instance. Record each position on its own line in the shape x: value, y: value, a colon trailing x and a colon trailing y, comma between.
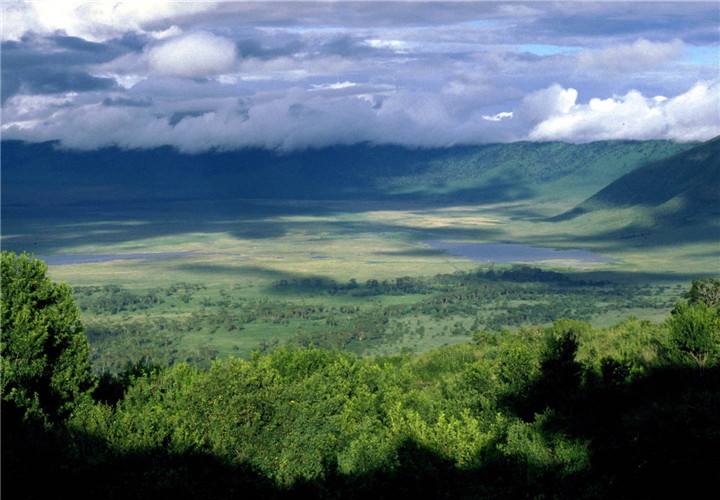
x: 506, y: 253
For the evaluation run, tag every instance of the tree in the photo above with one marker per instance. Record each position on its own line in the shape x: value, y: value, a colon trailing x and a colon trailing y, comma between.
x: 44, y: 350
x: 705, y: 290
x: 695, y: 331
x: 558, y: 383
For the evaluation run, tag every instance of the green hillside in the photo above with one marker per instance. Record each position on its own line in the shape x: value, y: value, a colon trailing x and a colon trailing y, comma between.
x: 673, y: 198
x: 41, y: 175
x: 530, y: 170
x: 690, y: 180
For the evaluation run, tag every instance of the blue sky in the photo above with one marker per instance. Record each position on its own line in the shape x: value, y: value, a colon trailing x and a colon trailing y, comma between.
x: 291, y: 75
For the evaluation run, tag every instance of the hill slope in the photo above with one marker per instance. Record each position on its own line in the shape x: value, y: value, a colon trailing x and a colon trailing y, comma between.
x: 673, y: 198
x: 40, y: 174
x: 689, y: 181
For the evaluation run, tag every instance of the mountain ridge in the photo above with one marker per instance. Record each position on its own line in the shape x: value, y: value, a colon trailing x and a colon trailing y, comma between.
x: 41, y: 174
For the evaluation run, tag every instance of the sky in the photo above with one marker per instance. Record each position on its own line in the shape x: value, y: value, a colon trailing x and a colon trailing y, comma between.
x: 203, y: 76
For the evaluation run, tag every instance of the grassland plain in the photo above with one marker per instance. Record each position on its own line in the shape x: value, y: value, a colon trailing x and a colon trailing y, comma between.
x: 210, y: 277
x: 232, y: 275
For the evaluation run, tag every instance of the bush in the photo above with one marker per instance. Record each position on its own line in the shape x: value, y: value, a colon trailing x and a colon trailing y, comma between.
x: 695, y: 331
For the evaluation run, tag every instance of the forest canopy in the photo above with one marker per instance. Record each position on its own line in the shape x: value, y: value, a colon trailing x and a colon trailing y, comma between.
x: 565, y: 410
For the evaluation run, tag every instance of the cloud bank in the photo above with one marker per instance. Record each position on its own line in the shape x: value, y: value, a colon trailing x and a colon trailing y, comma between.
x: 221, y: 75
x: 691, y: 116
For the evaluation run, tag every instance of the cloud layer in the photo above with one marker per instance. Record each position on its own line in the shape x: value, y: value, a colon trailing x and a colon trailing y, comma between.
x: 223, y: 75
x: 691, y: 116
x: 640, y: 54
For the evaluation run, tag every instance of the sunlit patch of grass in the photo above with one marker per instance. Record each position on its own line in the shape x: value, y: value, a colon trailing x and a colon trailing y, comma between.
x: 244, y: 260
x: 362, y: 245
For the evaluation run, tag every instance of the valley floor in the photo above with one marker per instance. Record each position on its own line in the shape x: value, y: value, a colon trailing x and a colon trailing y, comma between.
x: 195, y: 280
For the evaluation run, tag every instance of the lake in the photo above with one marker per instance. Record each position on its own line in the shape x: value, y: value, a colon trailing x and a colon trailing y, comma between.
x: 506, y: 253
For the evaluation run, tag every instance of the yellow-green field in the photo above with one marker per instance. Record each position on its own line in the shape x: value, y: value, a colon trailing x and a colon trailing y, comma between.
x: 345, y: 243
x: 222, y: 264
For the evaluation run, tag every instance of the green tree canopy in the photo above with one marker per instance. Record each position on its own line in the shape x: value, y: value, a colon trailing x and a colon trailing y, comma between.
x: 705, y: 290
x: 45, y: 361
x: 695, y: 331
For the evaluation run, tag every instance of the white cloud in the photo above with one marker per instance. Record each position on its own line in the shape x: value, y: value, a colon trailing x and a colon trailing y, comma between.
x: 551, y: 101
x: 641, y: 54
x: 334, y: 86
x: 96, y: 21
x: 292, y: 119
x: 692, y: 116
x: 398, y: 46
x: 23, y: 105
x: 227, y: 79
x: 194, y: 55
x: 17, y: 19
x: 168, y: 33
x: 128, y: 81
x: 497, y: 117
x: 298, y: 118
x: 294, y: 69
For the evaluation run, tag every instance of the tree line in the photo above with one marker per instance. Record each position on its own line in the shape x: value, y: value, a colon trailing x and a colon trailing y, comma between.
x: 125, y: 325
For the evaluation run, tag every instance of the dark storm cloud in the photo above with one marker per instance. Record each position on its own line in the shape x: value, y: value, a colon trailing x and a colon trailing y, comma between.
x: 347, y: 46
x: 76, y: 44
x: 132, y: 41
x: 357, y: 14
x: 654, y: 20
x: 125, y: 101
x: 48, y: 81
x: 54, y: 64
x: 254, y: 48
x: 57, y: 50
x: 180, y: 116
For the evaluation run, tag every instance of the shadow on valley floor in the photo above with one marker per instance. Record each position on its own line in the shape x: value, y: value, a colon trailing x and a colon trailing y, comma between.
x: 36, y: 173
x: 504, y: 190
x: 420, y: 252
x: 51, y: 230
x: 59, y: 229
x: 616, y: 241
x: 635, y: 236
x: 280, y: 281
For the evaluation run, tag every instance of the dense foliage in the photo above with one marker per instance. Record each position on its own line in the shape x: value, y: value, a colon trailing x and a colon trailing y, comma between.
x: 563, y: 411
x: 359, y: 317
x: 45, y: 362
x: 694, y: 323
